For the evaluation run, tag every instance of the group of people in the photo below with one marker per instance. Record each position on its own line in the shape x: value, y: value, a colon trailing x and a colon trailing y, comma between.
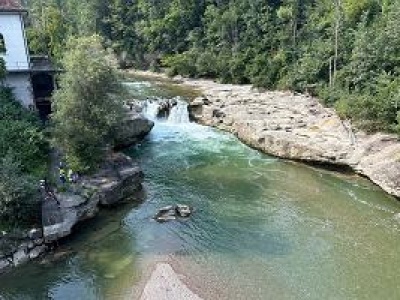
x: 67, y: 175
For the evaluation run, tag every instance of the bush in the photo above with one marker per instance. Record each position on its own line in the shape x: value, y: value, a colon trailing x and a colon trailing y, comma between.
x: 184, y: 64
x: 206, y: 64
x: 21, y: 134
x: 19, y: 195
x: 370, y: 113
x: 13, y: 110
x: 25, y: 141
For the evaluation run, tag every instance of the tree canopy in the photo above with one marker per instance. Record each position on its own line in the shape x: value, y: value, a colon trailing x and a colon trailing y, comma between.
x: 345, y: 51
x: 86, y: 110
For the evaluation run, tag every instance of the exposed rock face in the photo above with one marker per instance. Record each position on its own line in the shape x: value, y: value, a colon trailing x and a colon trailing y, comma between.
x: 118, y: 179
x: 134, y: 128
x: 19, y: 247
x: 298, y: 127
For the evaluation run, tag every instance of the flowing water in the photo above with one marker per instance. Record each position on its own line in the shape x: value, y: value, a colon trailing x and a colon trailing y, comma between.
x: 262, y: 228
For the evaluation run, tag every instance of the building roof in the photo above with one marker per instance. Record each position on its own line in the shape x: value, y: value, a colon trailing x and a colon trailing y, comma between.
x: 11, y: 6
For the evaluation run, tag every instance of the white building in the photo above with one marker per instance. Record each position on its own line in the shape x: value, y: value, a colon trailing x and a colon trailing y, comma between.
x: 14, y: 50
x: 30, y: 77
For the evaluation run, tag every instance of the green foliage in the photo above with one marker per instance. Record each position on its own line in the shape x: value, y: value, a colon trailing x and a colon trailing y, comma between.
x: 397, y: 128
x: 87, y: 110
x: 341, y: 47
x: 19, y: 195
x: 183, y: 64
x: 23, y: 152
x: 3, y: 70
x: 375, y: 111
x: 53, y: 21
x: 21, y: 135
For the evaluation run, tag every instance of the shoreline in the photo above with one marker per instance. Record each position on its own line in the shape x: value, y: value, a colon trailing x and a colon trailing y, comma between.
x: 292, y: 126
x: 165, y: 283
x: 117, y: 179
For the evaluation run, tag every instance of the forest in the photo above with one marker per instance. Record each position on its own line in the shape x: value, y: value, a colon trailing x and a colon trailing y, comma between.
x: 346, y: 52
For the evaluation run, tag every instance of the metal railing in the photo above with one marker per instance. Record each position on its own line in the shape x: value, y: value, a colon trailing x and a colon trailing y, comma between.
x: 17, y: 66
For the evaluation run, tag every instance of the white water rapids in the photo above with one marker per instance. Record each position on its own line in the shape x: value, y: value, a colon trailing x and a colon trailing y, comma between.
x: 178, y: 113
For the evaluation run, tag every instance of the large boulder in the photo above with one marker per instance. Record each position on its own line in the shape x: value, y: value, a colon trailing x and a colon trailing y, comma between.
x: 172, y: 212
x: 117, y: 179
x: 132, y: 129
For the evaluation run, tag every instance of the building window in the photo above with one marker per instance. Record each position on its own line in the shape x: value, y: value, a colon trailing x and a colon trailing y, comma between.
x: 2, y: 44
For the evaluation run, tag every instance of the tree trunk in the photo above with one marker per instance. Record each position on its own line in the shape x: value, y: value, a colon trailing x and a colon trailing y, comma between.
x: 337, y: 29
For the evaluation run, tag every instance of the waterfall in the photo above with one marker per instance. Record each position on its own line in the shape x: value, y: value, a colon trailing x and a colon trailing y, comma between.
x: 179, y: 113
x: 150, y: 109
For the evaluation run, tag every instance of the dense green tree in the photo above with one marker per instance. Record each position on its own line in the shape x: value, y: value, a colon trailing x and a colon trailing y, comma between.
x: 86, y: 107
x: 338, y: 49
x: 19, y: 194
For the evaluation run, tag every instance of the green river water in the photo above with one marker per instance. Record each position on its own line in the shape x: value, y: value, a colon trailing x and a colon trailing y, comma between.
x: 263, y: 228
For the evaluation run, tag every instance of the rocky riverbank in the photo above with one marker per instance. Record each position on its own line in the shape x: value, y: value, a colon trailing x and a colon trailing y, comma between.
x: 296, y: 127
x: 119, y: 178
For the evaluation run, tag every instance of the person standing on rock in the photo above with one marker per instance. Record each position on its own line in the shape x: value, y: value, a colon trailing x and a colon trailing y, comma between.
x: 62, y: 175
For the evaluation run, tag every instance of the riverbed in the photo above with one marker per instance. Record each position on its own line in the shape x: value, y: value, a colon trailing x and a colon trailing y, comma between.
x: 263, y: 228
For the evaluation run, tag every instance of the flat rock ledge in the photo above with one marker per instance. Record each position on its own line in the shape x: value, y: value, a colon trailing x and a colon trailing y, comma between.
x: 297, y: 127
x: 118, y: 179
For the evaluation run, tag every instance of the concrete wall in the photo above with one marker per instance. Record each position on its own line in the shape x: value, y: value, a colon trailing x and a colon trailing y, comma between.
x: 21, y: 84
x: 13, y: 31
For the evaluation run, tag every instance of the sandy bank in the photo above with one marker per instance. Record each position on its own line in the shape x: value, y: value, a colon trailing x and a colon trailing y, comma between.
x: 164, y: 284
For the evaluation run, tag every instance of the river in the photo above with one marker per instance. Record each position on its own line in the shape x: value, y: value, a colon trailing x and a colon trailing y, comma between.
x: 263, y: 228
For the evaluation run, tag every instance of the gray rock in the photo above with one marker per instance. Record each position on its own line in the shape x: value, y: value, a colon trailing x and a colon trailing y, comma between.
x: 171, y: 212
x: 117, y: 179
x: 132, y: 130
x: 183, y: 211
x: 37, y: 251
x: 4, y: 264
x: 20, y: 257
x: 298, y: 127
x: 35, y: 233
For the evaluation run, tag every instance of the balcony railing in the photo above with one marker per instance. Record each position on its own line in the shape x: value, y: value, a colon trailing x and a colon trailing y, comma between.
x: 17, y: 66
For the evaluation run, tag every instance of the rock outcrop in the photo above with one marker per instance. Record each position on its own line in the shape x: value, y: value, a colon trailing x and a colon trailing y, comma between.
x: 298, y: 127
x: 19, y: 247
x: 119, y: 178
x: 133, y: 128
